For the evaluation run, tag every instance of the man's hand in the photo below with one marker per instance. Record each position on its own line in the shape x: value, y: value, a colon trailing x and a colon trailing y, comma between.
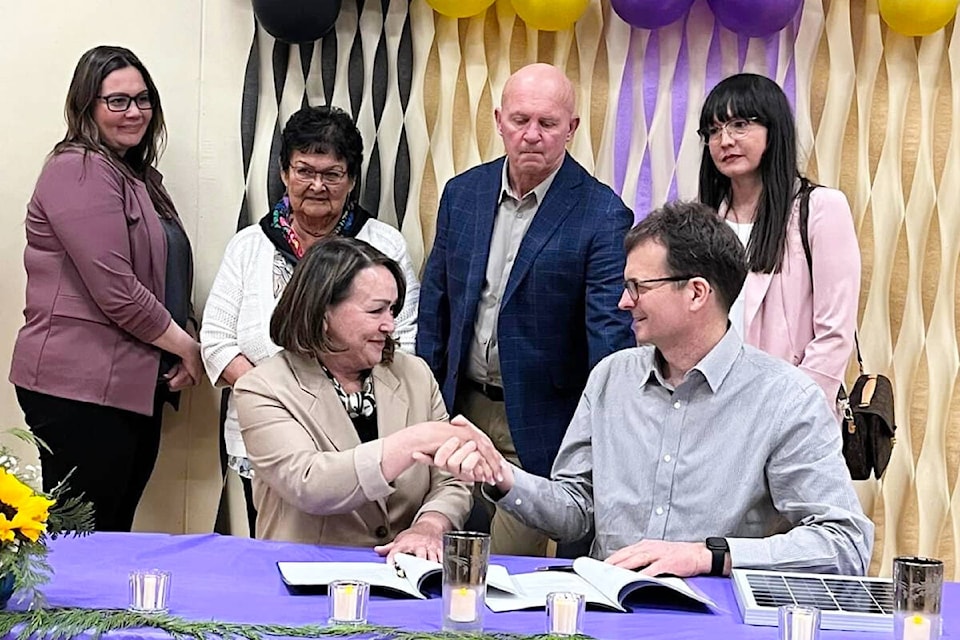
x: 468, y: 455
x: 681, y: 559
x: 424, y: 539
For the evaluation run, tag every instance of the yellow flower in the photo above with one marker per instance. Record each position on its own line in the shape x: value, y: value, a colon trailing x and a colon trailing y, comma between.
x: 29, y: 511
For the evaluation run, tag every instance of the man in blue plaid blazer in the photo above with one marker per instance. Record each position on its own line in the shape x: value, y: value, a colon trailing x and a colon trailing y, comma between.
x: 519, y: 296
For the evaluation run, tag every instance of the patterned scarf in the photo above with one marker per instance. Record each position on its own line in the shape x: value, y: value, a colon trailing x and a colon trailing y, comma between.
x: 281, y: 219
x: 360, y: 403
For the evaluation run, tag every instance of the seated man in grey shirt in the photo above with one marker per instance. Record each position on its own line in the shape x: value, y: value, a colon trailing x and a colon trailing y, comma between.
x: 693, y: 453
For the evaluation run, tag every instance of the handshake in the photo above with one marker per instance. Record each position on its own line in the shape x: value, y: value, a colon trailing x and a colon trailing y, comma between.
x: 462, y: 450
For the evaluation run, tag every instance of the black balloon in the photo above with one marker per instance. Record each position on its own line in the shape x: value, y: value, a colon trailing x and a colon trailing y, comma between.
x: 297, y: 21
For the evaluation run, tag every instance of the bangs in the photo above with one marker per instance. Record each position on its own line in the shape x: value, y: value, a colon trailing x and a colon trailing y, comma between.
x: 729, y: 102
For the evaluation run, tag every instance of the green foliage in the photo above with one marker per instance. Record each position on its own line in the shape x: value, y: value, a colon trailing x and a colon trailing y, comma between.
x: 52, y: 624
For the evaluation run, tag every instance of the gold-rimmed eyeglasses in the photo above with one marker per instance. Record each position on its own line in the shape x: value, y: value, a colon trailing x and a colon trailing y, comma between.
x: 329, y: 177
x: 637, y: 288
x: 736, y: 129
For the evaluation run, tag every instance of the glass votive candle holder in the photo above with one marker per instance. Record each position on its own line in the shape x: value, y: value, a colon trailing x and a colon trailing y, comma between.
x: 348, y: 601
x: 917, y: 597
x: 565, y: 613
x: 799, y: 622
x: 149, y: 590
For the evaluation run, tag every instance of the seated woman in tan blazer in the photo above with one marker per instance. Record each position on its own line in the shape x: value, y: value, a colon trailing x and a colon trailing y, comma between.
x: 333, y: 424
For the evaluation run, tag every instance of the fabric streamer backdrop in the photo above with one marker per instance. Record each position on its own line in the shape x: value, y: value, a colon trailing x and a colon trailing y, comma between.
x: 874, y: 118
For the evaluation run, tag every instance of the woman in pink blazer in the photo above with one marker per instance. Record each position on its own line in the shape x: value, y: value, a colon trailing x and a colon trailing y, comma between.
x: 798, y: 306
x: 109, y: 277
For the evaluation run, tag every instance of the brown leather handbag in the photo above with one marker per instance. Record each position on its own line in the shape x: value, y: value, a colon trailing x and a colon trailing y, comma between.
x: 868, y: 424
x: 868, y: 417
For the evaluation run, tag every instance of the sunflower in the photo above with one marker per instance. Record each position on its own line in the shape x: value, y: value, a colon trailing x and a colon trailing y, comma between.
x: 21, y: 509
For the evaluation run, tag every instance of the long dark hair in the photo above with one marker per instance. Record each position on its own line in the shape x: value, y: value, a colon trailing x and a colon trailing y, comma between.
x: 747, y: 95
x: 83, y: 132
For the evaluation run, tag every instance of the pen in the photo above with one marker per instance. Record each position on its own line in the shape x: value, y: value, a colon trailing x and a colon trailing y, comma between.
x: 556, y: 567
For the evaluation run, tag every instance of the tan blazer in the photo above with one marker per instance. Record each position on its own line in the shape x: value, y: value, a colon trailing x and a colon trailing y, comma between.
x: 314, y: 481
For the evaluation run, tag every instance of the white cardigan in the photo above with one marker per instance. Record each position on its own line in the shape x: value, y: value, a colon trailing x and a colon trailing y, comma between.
x: 236, y: 319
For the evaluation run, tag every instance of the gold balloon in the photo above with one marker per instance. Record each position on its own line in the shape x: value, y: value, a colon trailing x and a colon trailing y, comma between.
x: 917, y: 17
x: 459, y: 8
x: 550, y: 15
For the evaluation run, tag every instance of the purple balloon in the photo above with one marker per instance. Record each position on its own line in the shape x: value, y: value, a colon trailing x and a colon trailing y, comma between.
x: 755, y: 18
x: 651, y: 14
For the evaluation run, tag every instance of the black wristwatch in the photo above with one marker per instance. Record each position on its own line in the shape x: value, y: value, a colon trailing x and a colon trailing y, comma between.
x: 718, y: 548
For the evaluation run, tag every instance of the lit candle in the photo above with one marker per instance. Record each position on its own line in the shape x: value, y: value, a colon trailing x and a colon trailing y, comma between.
x: 463, y: 604
x: 345, y: 602
x: 564, y: 614
x: 916, y: 627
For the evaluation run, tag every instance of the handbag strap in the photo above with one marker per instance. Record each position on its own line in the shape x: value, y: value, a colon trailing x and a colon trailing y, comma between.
x: 806, y: 188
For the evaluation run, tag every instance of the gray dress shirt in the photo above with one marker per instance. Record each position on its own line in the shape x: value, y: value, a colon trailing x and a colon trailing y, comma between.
x: 745, y: 448
x: 514, y: 216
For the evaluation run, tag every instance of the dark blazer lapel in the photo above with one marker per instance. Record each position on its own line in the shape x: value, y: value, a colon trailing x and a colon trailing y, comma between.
x: 327, y: 411
x: 487, y: 198
x: 556, y: 206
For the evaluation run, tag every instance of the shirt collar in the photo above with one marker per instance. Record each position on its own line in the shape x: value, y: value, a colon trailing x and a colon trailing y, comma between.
x: 714, y: 366
x: 538, y: 191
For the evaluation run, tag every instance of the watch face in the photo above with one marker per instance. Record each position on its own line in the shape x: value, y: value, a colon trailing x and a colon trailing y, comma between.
x: 717, y: 544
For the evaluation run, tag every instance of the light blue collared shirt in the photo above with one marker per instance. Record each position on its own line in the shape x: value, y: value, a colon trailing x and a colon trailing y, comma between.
x: 744, y: 448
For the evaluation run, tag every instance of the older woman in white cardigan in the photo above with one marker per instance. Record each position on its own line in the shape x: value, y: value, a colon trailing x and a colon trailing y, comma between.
x: 320, y: 157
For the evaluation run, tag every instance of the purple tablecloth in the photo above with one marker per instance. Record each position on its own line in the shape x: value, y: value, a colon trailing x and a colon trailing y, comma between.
x: 236, y: 580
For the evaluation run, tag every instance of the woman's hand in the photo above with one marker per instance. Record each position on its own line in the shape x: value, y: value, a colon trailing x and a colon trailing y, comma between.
x: 419, y: 443
x: 424, y: 539
x: 178, y: 378
x: 474, y: 450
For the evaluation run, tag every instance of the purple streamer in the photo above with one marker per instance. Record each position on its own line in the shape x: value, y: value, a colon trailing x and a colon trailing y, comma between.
x: 623, y: 133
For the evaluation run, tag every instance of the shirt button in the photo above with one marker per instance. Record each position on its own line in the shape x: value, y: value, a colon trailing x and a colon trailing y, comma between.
x: 381, y: 532
x: 676, y: 405
x: 659, y: 511
x: 518, y: 502
x: 667, y: 458
x: 519, y: 216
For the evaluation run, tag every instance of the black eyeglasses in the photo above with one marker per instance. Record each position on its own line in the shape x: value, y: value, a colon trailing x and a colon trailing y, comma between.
x: 120, y: 102
x: 637, y: 288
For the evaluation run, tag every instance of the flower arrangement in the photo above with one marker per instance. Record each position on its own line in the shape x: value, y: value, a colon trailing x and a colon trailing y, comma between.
x: 29, y: 518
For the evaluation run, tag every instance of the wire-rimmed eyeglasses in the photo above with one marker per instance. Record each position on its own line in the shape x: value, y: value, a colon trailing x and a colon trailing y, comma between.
x: 637, y: 288
x: 120, y: 102
x: 330, y: 177
x: 737, y: 128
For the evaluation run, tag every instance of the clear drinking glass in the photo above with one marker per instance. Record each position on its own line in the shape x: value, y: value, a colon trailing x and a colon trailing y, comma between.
x: 348, y: 600
x: 917, y: 591
x: 565, y: 613
x: 466, y: 555
x: 149, y: 590
x: 798, y: 622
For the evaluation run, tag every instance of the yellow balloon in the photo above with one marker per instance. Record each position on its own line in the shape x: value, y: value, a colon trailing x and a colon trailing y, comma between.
x: 459, y: 8
x: 917, y: 17
x: 550, y: 15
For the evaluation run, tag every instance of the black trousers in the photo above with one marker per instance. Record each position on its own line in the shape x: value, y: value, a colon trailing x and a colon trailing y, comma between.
x: 111, y: 451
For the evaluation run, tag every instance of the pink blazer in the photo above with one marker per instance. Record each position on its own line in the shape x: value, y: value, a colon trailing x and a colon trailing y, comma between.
x: 810, y: 323
x: 96, y: 269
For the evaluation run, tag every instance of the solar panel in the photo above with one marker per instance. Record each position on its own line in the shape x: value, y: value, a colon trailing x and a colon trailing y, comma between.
x: 846, y: 603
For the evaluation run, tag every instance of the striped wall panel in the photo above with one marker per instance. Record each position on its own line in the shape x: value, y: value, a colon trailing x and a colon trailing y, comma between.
x: 874, y: 115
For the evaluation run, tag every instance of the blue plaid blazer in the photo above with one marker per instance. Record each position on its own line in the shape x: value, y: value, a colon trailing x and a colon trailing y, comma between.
x: 559, y: 314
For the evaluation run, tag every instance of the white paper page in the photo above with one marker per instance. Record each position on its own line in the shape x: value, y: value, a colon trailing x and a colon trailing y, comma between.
x: 535, y: 586
x: 306, y: 574
x: 612, y: 580
x: 417, y: 568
